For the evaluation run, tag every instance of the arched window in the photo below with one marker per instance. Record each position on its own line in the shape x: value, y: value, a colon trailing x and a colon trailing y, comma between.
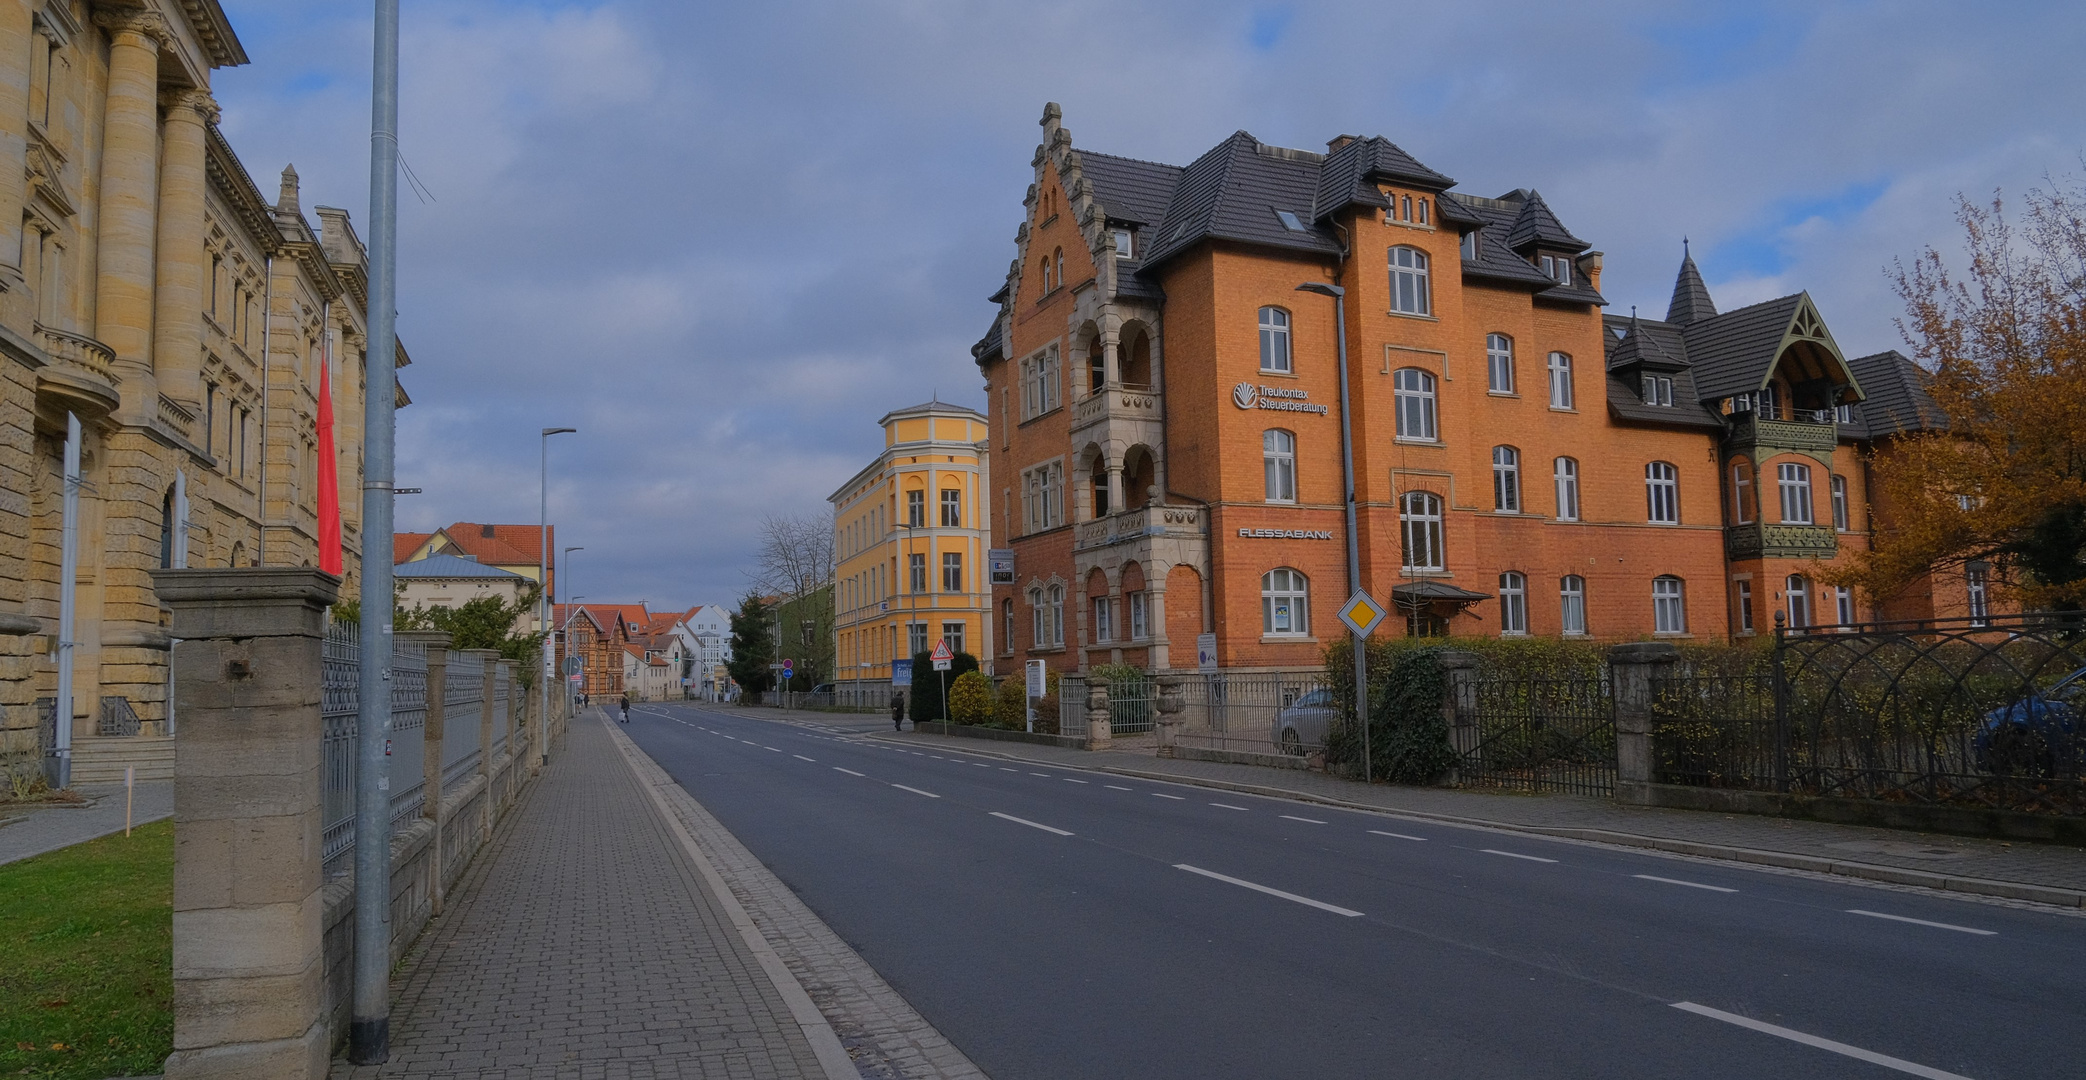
x: 1799, y: 595
x: 1285, y: 602
x: 1046, y: 276
x: 1506, y: 479
x: 1409, y: 290
x: 1669, y: 607
x: 1499, y: 363
x: 1561, y: 381
x: 1039, y: 628
x: 1794, y: 483
x: 1056, y: 615
x: 1571, y: 603
x: 1278, y: 452
x: 1274, y: 341
x: 1513, y: 604
x: 1662, y: 493
x: 1414, y: 390
x: 1060, y: 257
x: 1419, y: 516
x: 1565, y: 472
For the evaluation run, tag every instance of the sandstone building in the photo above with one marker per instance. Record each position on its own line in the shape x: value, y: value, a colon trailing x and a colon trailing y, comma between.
x: 1165, y: 410
x: 148, y: 288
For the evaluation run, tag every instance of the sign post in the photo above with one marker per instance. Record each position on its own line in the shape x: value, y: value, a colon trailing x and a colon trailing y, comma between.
x: 1038, y: 686
x: 1361, y: 613
x: 942, y: 656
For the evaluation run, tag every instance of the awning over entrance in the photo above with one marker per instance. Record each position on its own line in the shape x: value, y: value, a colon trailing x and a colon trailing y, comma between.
x: 1418, y: 593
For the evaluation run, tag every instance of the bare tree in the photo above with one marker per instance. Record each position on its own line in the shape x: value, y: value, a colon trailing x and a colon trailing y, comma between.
x: 796, y: 553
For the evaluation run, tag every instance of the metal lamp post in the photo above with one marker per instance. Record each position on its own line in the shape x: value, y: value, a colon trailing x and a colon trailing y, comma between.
x: 1354, y: 545
x: 543, y: 593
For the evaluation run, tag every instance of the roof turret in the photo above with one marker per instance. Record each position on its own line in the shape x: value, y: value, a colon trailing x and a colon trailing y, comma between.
x: 1691, y: 302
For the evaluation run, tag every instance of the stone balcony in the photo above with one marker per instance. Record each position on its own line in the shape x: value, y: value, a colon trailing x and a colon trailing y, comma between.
x: 1759, y: 540
x: 1121, y: 402
x: 82, y: 375
x: 1177, y: 522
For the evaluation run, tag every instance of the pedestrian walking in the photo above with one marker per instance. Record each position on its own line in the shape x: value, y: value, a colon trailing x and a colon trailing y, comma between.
x: 897, y: 711
x: 626, y: 708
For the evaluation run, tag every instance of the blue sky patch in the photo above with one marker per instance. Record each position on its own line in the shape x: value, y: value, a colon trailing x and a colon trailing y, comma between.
x: 1762, y: 249
x: 1269, y: 24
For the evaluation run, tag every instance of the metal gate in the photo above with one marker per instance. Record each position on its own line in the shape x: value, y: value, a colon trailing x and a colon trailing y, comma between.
x: 1536, y: 733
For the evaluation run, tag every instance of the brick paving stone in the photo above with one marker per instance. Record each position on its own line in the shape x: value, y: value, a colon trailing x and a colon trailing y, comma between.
x: 583, y: 943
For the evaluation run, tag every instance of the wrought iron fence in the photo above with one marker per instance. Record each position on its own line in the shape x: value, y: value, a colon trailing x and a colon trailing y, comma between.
x: 340, y: 671
x: 1715, y: 729
x: 25, y: 753
x: 405, y: 751
x: 1536, y: 733
x: 463, y: 698
x: 1263, y: 712
x: 117, y: 719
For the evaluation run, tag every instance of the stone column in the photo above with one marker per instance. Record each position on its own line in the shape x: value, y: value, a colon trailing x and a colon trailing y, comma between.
x: 1111, y: 366
x: 177, y: 321
x: 431, y: 808
x: 1099, y: 735
x: 1115, y: 486
x: 517, y: 729
x: 484, y: 659
x: 15, y: 27
x: 1459, y: 706
x: 248, y: 780
x: 130, y: 203
x: 1633, y: 671
x: 1172, y: 700
x: 1160, y: 657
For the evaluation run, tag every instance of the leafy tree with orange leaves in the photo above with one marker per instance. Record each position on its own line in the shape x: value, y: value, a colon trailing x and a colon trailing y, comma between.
x: 2004, y: 345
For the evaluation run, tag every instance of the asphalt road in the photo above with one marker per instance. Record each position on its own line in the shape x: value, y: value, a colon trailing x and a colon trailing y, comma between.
x: 1057, y: 924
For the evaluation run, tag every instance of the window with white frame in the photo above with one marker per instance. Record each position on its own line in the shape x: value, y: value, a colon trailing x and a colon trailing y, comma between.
x: 1140, y: 616
x: 1979, y: 597
x: 1499, y: 363
x: 1042, y: 497
x: 1419, y: 519
x: 952, y: 632
x: 1274, y: 341
x: 1797, y: 592
x: 1410, y: 293
x: 1840, y: 517
x: 1662, y: 493
x: 1565, y: 472
x: 1278, y: 452
x: 1794, y: 482
x: 1007, y: 623
x: 1426, y: 215
x: 1061, y: 266
x: 1741, y: 493
x: 1571, y: 604
x: 1285, y: 603
x: 1038, y: 626
x: 1506, y: 479
x: 1469, y: 246
x: 1658, y: 390
x: 1669, y: 607
x: 1124, y: 249
x: 1414, y: 390
x: 1843, y: 604
x: 1745, y: 607
x: 1561, y: 381
x: 1513, y: 604
x: 952, y: 571
x: 1104, y: 619
x: 916, y: 572
x: 1558, y: 268
x: 1039, y: 384
x: 916, y: 509
x: 1054, y: 610
x: 952, y: 508
x: 916, y: 638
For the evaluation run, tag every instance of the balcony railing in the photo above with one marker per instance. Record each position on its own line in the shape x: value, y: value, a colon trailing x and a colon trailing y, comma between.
x: 1145, y: 521
x: 78, y: 351
x: 1759, y: 540
x: 1122, y: 401
x: 1802, y: 432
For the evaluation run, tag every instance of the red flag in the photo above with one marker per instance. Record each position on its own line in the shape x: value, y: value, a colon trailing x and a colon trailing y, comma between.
x: 329, y: 476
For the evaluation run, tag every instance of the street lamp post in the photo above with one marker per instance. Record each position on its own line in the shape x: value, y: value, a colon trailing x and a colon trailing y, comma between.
x: 543, y: 593
x: 1354, y: 542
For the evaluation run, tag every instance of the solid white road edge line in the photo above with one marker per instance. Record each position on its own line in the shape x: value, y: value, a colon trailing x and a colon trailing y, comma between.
x: 1515, y: 855
x: 1304, y: 900
x: 850, y: 772
x: 1677, y: 881
x: 1399, y: 835
x: 1027, y: 822
x: 1924, y: 922
x: 1841, y: 1048
x: 916, y: 791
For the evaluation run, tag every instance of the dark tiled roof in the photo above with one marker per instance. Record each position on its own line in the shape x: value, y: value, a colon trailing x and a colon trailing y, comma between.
x: 1626, y: 402
x: 1232, y: 193
x: 1896, y: 398
x: 1497, y: 260
x: 1535, y: 224
x: 1129, y: 189
x: 1653, y: 345
x: 1350, y: 173
x: 989, y: 347
x: 1732, y: 353
x: 1691, y: 302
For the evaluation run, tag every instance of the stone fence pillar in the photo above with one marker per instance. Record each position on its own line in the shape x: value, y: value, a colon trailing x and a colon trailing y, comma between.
x: 517, y: 732
x: 1633, y: 670
x: 1459, y: 705
x: 248, y: 917
x: 487, y: 801
x: 1172, y: 700
x: 1099, y: 735
x: 433, y: 733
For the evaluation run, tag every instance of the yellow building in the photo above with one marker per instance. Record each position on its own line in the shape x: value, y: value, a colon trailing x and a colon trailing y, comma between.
x: 910, y: 534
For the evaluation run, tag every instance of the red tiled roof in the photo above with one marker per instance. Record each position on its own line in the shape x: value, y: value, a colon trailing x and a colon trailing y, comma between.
x: 509, y: 545
x: 404, y: 544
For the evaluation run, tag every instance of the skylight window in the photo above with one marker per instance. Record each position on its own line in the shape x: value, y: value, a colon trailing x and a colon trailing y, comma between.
x: 1290, y: 221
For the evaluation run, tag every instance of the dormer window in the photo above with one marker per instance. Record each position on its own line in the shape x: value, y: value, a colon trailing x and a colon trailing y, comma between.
x: 1557, y: 268
x: 1290, y: 221
x: 1124, y: 248
x: 1658, y: 390
x: 1470, y: 246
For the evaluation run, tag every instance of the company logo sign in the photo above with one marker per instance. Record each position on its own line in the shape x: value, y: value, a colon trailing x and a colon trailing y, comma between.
x: 1286, y: 534
x: 1275, y: 398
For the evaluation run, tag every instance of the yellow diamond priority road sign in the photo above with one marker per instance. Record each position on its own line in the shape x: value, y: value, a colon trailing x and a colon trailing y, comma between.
x: 1360, y: 613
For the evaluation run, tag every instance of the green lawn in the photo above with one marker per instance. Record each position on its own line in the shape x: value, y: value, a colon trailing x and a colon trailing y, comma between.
x: 87, y: 958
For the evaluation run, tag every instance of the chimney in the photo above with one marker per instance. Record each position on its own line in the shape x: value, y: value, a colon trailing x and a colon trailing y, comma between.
x: 485, y: 531
x: 1338, y: 141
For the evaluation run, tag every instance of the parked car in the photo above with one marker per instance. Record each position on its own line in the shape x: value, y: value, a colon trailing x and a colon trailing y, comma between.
x: 822, y: 688
x: 1302, y: 725
x: 2040, y: 735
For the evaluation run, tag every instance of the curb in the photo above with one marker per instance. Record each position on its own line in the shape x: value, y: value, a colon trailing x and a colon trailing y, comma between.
x: 2008, y: 890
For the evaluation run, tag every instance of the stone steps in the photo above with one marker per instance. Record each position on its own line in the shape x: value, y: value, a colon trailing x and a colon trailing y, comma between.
x: 102, y: 760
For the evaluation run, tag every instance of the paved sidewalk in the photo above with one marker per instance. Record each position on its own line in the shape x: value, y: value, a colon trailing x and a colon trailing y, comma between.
x: 584, y: 942
x: 30, y: 831
x: 2048, y: 873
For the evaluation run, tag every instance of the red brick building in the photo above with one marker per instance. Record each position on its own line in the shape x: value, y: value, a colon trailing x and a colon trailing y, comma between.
x: 1165, y: 416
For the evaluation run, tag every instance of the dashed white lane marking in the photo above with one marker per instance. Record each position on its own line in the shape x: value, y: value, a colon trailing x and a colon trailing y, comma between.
x: 801, y: 757
x: 1923, y: 922
x: 1003, y: 768
x: 1855, y: 1052
x: 916, y: 791
x: 1305, y: 820
x: 1226, y: 806
x: 982, y: 765
x: 1399, y: 835
x: 1069, y: 780
x: 1163, y: 795
x: 850, y: 772
x: 1689, y: 884
x: 771, y: 748
x: 1516, y: 855
x: 1044, y: 775
x: 1030, y: 824
x: 1243, y: 884
x: 1111, y: 787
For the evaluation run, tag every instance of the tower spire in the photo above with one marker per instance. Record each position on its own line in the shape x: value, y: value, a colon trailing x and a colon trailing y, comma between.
x: 1691, y: 302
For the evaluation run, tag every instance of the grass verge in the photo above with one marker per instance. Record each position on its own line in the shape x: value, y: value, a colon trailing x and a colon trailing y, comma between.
x: 87, y: 984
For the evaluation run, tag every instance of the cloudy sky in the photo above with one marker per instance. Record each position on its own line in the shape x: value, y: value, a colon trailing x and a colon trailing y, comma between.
x: 723, y: 239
